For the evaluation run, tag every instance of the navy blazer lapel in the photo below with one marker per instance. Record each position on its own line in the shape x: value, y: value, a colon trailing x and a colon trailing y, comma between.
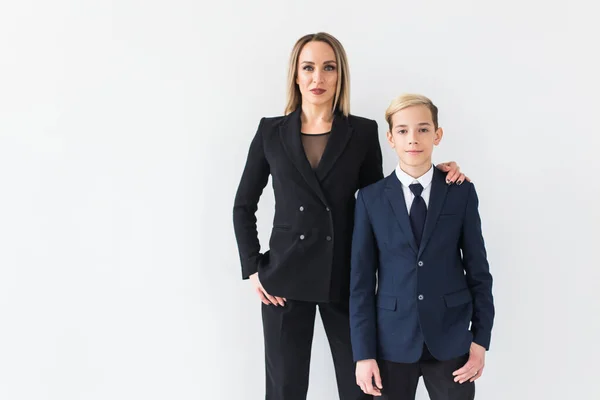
x: 439, y: 189
x: 395, y: 195
x: 289, y: 133
x: 341, y: 131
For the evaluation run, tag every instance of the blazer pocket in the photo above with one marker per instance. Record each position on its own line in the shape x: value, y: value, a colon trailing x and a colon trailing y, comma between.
x: 283, y: 228
x: 449, y: 215
x: 457, y: 298
x: 386, y: 302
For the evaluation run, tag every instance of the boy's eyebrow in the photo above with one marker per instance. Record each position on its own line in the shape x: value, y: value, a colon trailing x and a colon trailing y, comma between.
x: 420, y: 124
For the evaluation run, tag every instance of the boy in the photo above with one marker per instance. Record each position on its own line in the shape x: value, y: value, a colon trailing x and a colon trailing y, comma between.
x: 421, y: 291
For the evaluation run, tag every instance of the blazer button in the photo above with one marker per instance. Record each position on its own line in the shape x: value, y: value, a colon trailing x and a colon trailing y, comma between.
x: 420, y: 263
x: 301, y: 208
x: 328, y: 238
x: 327, y: 209
x: 301, y: 237
x: 421, y: 297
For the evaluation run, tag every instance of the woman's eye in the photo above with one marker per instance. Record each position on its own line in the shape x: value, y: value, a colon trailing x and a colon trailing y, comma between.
x: 307, y: 68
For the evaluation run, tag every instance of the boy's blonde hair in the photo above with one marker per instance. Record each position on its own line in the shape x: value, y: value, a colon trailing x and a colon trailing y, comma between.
x: 408, y: 100
x: 341, y: 101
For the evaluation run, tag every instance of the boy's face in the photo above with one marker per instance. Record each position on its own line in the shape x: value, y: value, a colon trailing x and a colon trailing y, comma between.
x: 413, y: 135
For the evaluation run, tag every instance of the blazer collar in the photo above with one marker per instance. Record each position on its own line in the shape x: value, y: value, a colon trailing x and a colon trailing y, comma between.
x: 289, y: 131
x: 395, y: 195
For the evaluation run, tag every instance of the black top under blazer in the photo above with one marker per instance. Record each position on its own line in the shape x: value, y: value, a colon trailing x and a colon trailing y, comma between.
x: 309, y: 248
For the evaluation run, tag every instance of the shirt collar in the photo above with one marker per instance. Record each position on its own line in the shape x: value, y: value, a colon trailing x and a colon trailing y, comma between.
x: 407, y: 180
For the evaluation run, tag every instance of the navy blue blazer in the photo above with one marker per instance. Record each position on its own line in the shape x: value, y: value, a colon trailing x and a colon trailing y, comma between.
x: 401, y: 295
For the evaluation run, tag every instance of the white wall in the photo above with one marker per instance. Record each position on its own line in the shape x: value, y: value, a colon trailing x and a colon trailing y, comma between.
x: 124, y: 128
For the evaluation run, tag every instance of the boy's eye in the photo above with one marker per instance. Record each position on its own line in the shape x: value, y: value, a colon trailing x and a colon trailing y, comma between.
x: 424, y: 130
x: 402, y: 131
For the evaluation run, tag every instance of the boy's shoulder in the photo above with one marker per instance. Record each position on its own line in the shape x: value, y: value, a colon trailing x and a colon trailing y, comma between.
x: 375, y: 190
x: 463, y: 191
x: 458, y: 197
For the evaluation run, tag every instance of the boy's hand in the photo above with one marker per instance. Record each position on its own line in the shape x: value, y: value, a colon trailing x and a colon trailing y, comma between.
x: 474, y: 367
x: 366, y: 372
x: 453, y: 172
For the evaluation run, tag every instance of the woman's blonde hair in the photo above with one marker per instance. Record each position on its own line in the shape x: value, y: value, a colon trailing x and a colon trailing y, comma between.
x: 341, y: 101
x: 408, y: 100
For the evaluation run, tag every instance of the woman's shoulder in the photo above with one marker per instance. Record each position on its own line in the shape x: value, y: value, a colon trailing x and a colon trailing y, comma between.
x: 364, y: 126
x: 271, y: 121
x: 360, y: 119
x: 361, y: 122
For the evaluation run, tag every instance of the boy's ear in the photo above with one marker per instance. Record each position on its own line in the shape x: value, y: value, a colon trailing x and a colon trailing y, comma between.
x: 390, y: 139
x: 438, y: 136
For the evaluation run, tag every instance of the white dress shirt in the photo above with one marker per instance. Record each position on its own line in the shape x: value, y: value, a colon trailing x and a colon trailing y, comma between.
x: 406, y: 180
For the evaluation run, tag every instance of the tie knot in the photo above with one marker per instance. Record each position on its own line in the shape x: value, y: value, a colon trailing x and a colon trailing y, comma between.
x: 416, y: 188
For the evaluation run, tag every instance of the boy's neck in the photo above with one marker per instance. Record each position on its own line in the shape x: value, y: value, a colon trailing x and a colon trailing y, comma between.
x: 416, y: 171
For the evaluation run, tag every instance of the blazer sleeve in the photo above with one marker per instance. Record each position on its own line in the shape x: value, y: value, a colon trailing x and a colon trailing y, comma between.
x: 253, y: 181
x: 371, y: 169
x: 363, y: 269
x: 477, y: 270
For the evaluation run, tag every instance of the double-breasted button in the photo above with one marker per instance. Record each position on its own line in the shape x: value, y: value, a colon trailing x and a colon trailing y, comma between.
x: 301, y: 208
x: 301, y: 237
x: 421, y: 297
x: 327, y: 209
x: 328, y: 238
x: 420, y: 263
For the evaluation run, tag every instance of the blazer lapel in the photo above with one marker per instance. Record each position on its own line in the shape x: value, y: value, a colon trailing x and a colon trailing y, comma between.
x: 289, y: 133
x: 395, y: 195
x: 439, y: 188
x: 341, y: 132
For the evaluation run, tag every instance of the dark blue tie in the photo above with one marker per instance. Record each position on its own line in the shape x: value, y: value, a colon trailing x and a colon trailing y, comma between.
x: 418, y: 212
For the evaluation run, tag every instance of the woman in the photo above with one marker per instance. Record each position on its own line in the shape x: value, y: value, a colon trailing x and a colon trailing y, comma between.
x: 318, y: 155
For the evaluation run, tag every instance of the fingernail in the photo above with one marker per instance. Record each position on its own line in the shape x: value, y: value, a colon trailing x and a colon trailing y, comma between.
x: 447, y: 181
x: 459, y: 183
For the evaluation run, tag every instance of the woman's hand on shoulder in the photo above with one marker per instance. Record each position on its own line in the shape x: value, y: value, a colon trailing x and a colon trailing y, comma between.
x: 453, y: 173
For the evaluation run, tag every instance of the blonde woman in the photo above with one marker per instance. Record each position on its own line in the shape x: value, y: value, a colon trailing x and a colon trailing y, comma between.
x: 318, y: 156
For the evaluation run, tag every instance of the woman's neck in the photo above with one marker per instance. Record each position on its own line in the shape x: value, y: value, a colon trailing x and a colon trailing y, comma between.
x: 316, y: 114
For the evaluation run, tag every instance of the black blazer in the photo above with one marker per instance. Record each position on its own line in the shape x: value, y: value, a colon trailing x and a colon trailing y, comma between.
x: 309, y: 248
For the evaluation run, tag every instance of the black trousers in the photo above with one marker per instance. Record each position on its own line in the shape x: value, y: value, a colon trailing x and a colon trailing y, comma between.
x: 400, y: 380
x: 288, y: 333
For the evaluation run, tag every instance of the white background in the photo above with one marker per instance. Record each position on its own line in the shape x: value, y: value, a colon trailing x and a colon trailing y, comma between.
x: 124, y: 128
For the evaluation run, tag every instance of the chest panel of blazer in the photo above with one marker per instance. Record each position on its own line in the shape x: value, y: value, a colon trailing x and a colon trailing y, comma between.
x: 336, y: 176
x: 314, y: 209
x: 399, y: 253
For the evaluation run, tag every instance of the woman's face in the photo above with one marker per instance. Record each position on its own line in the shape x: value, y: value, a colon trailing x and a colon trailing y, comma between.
x: 317, y: 73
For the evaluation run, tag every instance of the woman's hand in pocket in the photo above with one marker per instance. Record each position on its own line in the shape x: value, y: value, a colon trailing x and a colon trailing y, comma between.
x: 262, y: 293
